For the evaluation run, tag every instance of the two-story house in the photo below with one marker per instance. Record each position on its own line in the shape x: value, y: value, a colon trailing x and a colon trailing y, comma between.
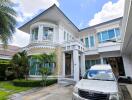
x: 76, y: 50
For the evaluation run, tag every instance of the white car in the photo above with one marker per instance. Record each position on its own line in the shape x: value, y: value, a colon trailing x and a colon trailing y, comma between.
x: 98, y: 83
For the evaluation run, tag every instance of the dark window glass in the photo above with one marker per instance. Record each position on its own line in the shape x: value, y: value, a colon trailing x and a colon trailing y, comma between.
x: 35, y: 34
x: 47, y: 33
x: 87, y: 42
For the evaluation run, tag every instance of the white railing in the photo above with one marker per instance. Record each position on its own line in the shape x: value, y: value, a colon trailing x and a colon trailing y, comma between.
x: 74, y: 44
x: 40, y: 44
x: 108, y: 46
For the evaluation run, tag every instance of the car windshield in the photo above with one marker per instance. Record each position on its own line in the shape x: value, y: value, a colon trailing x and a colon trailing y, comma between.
x: 105, y: 75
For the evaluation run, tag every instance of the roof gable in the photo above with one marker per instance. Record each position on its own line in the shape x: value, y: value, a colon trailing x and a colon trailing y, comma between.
x: 63, y: 16
x: 53, y: 7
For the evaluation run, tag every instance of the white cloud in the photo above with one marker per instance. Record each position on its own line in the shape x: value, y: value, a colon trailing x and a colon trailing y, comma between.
x: 109, y: 11
x: 28, y: 8
x: 31, y: 6
x: 20, y: 39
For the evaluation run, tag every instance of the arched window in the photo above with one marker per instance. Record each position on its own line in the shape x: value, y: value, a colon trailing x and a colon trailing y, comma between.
x: 35, y: 34
x: 47, y: 33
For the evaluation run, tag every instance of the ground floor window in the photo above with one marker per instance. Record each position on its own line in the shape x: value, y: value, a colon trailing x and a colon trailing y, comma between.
x: 90, y: 63
x: 34, y: 68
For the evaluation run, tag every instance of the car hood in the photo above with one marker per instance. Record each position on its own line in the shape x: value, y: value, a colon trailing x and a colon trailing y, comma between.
x: 97, y: 85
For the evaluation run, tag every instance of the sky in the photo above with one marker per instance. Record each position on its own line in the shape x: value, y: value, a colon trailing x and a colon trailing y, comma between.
x: 82, y: 13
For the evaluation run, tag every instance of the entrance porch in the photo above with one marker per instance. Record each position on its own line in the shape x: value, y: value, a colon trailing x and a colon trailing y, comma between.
x: 73, y: 65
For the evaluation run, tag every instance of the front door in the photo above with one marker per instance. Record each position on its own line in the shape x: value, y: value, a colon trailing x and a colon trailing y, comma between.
x: 68, y: 65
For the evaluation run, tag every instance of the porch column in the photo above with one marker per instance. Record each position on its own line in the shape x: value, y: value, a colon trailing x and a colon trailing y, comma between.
x: 63, y: 69
x: 82, y: 64
x: 72, y: 70
x: 40, y: 33
x: 76, y: 65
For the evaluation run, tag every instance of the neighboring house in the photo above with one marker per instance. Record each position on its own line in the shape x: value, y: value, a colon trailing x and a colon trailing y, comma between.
x: 5, y: 57
x: 7, y: 53
x: 76, y: 50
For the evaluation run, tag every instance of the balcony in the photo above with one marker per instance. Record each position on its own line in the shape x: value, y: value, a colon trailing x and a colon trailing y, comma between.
x: 108, y: 46
x: 103, y: 47
x: 75, y: 44
x: 40, y: 44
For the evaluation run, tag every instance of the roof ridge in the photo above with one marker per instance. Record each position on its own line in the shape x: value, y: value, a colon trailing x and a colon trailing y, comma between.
x: 105, y: 22
x: 54, y: 5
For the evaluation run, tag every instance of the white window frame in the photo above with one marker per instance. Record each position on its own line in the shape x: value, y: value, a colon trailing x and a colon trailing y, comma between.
x: 90, y: 39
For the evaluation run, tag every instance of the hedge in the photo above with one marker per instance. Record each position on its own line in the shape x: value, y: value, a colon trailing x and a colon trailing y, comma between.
x: 33, y: 83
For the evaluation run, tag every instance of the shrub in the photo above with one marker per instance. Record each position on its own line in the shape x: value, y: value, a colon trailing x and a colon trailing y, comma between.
x: 33, y: 83
x: 50, y: 81
x: 2, y: 72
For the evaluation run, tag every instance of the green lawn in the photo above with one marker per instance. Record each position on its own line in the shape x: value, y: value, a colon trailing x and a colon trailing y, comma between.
x: 7, y: 88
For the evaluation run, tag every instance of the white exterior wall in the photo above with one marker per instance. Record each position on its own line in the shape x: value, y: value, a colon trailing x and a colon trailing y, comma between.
x: 69, y: 37
x: 58, y: 32
x: 100, y: 47
x: 127, y: 59
x: 61, y: 34
x: 40, y: 26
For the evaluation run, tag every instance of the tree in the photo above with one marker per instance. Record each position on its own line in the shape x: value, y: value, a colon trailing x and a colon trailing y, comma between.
x: 41, y: 60
x: 7, y: 21
x: 44, y: 72
x: 20, y: 64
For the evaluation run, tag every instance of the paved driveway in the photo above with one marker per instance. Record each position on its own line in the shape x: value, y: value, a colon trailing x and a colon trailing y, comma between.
x: 54, y: 92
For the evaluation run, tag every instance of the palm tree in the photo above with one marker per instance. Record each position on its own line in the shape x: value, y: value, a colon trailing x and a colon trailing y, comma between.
x: 44, y: 72
x: 7, y: 21
x: 41, y: 60
x: 20, y: 64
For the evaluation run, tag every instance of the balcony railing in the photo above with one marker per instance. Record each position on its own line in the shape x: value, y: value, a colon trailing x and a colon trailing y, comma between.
x: 74, y: 44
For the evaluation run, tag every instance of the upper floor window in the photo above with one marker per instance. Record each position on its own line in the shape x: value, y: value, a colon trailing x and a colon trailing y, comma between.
x: 91, y: 41
x: 35, y: 34
x: 70, y: 37
x: 47, y: 33
x: 67, y: 37
x: 117, y: 32
x: 64, y: 35
x: 105, y: 36
x: 87, y: 42
x: 111, y: 34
